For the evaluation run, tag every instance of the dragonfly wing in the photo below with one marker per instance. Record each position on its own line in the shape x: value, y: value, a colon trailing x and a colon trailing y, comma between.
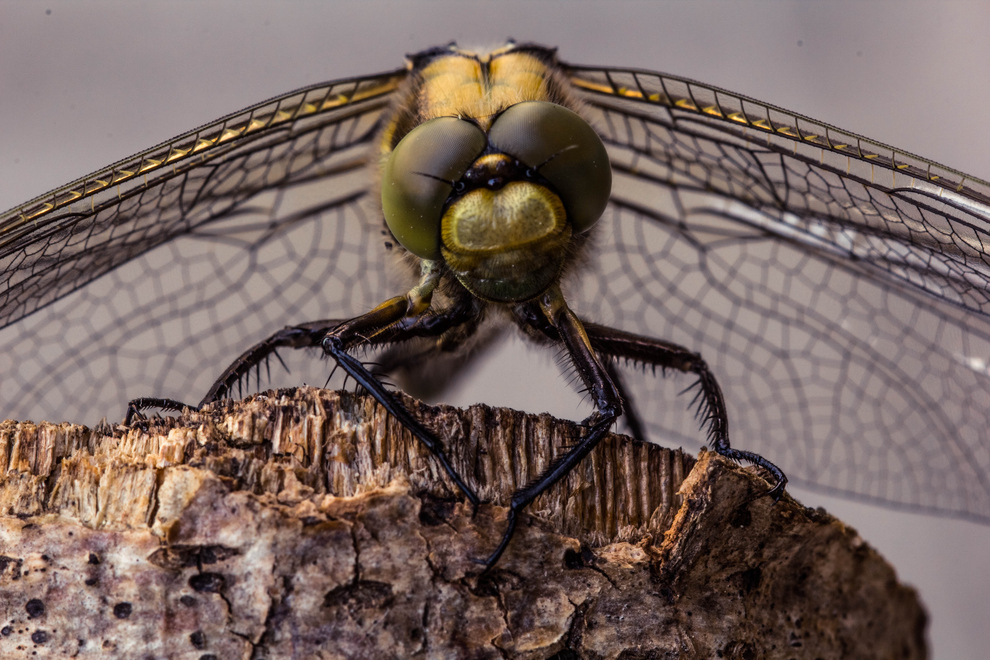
x: 171, y: 262
x: 839, y: 288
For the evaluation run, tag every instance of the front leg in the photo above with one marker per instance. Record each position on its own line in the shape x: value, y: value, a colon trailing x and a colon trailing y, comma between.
x: 562, y: 324
x: 395, y: 320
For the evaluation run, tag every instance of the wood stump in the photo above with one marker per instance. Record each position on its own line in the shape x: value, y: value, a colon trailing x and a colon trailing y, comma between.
x: 309, y: 524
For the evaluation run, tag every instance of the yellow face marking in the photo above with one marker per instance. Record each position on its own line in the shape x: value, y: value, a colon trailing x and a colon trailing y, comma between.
x: 502, y: 220
x: 506, y: 245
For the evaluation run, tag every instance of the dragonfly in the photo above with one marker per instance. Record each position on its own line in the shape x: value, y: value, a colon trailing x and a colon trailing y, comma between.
x: 836, y: 286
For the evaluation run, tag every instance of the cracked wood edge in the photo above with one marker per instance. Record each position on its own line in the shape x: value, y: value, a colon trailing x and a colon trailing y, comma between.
x: 305, y: 522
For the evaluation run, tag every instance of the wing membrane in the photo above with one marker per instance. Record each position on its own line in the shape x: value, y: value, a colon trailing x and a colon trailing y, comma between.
x: 839, y: 287
x: 60, y: 241
x: 148, y: 270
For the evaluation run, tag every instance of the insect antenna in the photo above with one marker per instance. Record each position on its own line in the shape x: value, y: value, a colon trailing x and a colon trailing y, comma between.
x: 551, y: 157
x: 458, y: 186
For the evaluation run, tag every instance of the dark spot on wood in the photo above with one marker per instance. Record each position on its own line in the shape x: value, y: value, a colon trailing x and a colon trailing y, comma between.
x: 739, y: 651
x: 565, y: 654
x: 211, y: 554
x: 93, y: 559
x: 751, y: 579
x: 5, y: 631
x: 90, y: 582
x: 122, y: 610
x: 741, y: 518
x: 35, y: 608
x: 39, y: 637
x: 187, y: 600
x: 361, y: 595
x: 487, y: 586
x: 7, y: 561
x: 184, y: 556
x: 573, y: 560
x: 207, y: 582
x: 644, y: 654
x: 208, y: 656
x: 435, y: 510
x: 198, y: 639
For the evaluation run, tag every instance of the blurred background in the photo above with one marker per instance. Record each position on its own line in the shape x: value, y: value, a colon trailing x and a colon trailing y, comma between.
x: 84, y: 84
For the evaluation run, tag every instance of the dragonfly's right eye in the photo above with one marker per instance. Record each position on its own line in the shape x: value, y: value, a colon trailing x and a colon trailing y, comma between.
x: 565, y: 150
x: 419, y: 176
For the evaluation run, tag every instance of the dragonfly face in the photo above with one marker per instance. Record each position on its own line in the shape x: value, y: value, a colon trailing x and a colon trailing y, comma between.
x: 837, y: 287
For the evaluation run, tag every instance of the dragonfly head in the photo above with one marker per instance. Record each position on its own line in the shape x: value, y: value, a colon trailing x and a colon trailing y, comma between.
x: 500, y: 208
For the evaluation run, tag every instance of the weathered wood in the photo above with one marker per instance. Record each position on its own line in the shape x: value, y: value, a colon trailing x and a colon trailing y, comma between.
x: 308, y: 523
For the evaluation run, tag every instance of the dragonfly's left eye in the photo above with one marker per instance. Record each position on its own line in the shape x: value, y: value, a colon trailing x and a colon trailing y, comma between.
x: 419, y: 176
x: 565, y: 150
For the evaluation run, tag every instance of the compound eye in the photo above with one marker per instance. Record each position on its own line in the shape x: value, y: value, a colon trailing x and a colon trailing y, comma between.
x: 564, y: 149
x: 419, y: 176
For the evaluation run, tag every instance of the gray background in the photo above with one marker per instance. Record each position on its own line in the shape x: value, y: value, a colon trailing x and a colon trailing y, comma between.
x: 84, y: 84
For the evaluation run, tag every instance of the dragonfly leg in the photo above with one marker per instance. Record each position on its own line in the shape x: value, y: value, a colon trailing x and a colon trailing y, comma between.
x: 630, y: 415
x: 655, y: 352
x: 567, y: 328
x: 136, y: 406
x: 300, y: 336
x: 306, y: 335
x: 395, y: 320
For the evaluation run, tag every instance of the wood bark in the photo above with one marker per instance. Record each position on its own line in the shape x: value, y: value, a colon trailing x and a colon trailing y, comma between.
x: 309, y: 524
